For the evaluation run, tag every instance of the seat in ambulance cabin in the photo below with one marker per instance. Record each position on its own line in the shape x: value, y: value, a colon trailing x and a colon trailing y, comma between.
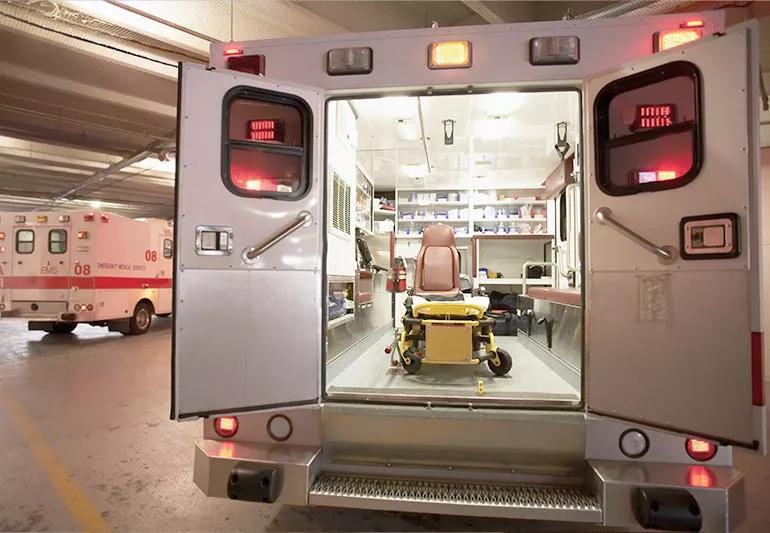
x: 437, y: 273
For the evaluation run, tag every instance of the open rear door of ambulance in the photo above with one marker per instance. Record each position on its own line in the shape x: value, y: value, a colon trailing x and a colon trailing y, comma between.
x: 672, y: 251
x: 247, y: 299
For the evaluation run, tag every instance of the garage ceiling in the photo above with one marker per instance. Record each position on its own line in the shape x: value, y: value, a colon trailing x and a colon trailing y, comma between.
x: 88, y: 87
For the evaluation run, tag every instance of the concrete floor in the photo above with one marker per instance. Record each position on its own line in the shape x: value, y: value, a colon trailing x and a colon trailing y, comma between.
x: 86, y: 443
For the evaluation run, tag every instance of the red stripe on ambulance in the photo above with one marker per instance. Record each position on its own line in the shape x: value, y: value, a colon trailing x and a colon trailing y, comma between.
x: 98, y: 282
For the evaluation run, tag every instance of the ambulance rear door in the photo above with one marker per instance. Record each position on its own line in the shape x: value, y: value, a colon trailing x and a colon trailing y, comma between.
x: 672, y: 306
x: 41, y: 262
x: 249, y: 241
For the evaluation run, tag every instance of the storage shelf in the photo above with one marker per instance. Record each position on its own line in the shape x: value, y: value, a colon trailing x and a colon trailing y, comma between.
x: 384, y: 212
x: 514, y: 281
x: 453, y: 220
x: 509, y: 202
x: 511, y: 219
x: 340, y: 320
x: 432, y: 204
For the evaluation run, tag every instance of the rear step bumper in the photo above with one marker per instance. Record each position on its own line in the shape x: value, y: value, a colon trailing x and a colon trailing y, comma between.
x: 456, y: 498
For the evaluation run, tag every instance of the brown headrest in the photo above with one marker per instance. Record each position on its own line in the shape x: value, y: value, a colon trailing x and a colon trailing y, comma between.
x: 438, y: 235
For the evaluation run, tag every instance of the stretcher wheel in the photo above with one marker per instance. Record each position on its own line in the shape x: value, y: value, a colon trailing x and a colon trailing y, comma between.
x: 505, y: 360
x: 414, y: 364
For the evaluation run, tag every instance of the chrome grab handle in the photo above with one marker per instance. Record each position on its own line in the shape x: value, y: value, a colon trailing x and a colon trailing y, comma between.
x: 536, y: 263
x: 303, y: 218
x: 665, y: 254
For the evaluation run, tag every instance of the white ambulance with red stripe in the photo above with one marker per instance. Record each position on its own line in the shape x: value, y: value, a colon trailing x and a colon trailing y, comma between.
x: 59, y: 269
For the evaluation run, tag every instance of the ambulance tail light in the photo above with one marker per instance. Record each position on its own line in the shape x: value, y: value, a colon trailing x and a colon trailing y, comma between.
x: 693, y: 24
x: 226, y: 426
x: 700, y: 450
x: 450, y: 54
x: 346, y: 61
x: 232, y: 51
x: 665, y: 40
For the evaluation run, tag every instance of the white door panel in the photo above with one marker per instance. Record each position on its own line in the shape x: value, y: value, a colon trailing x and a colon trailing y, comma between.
x: 669, y: 345
x: 248, y: 333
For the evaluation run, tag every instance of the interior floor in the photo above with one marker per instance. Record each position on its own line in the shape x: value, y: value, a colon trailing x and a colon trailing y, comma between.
x: 529, y: 380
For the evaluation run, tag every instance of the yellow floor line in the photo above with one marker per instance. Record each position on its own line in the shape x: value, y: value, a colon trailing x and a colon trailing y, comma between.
x: 75, y: 499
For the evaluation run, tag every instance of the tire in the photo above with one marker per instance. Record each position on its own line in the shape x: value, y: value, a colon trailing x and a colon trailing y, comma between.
x: 141, y: 320
x: 414, y: 364
x: 63, y: 328
x: 506, y: 363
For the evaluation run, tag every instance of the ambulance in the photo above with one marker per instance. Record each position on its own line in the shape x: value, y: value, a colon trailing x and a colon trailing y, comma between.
x: 603, y: 174
x: 60, y: 269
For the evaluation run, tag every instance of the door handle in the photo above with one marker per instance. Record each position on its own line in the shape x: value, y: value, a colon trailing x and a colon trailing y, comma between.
x: 665, y: 254
x: 252, y: 252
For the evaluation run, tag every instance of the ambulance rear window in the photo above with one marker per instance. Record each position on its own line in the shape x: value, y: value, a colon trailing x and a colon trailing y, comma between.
x: 266, y: 149
x: 648, y: 130
x: 25, y: 241
x: 57, y: 241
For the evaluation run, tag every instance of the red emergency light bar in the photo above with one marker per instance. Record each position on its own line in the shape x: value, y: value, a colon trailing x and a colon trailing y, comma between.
x: 693, y: 24
x: 232, y: 51
x: 665, y: 40
x: 251, y: 64
x: 649, y: 116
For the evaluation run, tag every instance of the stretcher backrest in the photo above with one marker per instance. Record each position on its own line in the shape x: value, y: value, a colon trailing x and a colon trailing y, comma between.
x: 438, y: 262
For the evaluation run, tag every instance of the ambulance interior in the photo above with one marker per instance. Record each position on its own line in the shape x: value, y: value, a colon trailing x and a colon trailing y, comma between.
x: 500, y: 170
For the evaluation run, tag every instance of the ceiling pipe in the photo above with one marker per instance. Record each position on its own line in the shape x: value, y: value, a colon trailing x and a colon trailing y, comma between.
x: 163, y: 21
x: 482, y: 10
x: 615, y: 10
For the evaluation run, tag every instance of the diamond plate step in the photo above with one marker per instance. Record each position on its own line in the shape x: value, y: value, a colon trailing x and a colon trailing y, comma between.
x: 456, y: 497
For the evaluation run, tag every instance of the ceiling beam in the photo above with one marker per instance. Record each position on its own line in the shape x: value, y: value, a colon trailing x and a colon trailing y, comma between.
x: 483, y: 10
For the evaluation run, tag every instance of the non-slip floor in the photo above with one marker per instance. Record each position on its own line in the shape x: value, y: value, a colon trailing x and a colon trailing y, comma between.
x: 529, y: 379
x: 99, y: 402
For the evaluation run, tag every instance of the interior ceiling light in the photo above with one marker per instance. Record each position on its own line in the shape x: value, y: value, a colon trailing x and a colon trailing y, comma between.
x: 494, y: 127
x: 503, y: 103
x: 407, y: 130
x: 415, y: 171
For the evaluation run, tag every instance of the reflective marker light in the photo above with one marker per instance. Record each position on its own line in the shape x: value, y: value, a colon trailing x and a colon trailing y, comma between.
x: 450, y: 54
x: 254, y: 64
x: 64, y: 218
x: 664, y: 40
x: 82, y: 234
x: 42, y: 218
x: 226, y: 426
x: 344, y: 61
x: 19, y: 219
x: 232, y: 51
x: 559, y: 50
x: 700, y: 450
x: 2, y: 235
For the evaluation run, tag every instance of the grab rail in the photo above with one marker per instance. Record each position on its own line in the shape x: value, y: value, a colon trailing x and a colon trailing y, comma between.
x: 303, y: 218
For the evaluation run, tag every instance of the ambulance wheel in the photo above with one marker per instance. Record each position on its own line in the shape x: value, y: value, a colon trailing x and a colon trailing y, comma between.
x: 505, y: 363
x: 63, y: 327
x: 414, y: 364
x: 141, y: 320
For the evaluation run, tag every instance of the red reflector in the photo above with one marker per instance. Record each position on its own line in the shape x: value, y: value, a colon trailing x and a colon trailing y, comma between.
x: 90, y: 307
x: 757, y: 378
x: 663, y: 40
x: 89, y: 217
x: 700, y: 476
x: 233, y: 51
x: 693, y: 24
x: 105, y: 218
x: 248, y: 64
x: 2, y: 307
x: 700, y: 450
x: 226, y: 426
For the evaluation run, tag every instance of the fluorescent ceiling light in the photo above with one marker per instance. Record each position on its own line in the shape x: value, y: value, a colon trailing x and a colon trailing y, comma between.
x: 407, y: 130
x: 156, y: 165
x: 415, y: 171
x: 500, y: 103
x: 494, y: 127
x: 96, y: 204
x: 397, y: 106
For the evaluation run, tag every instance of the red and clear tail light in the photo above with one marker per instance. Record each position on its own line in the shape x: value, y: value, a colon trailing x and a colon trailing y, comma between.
x: 700, y: 450
x: 226, y: 426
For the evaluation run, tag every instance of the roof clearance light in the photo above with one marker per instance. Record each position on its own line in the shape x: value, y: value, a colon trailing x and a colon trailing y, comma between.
x: 450, y: 54
x: 557, y: 50
x: 346, y: 61
x: 253, y: 64
x: 64, y: 218
x: 232, y: 51
x: 2, y: 235
x: 693, y: 24
x: 700, y: 450
x: 19, y: 219
x: 665, y: 40
x: 42, y: 218
x: 226, y: 426
x: 88, y: 217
